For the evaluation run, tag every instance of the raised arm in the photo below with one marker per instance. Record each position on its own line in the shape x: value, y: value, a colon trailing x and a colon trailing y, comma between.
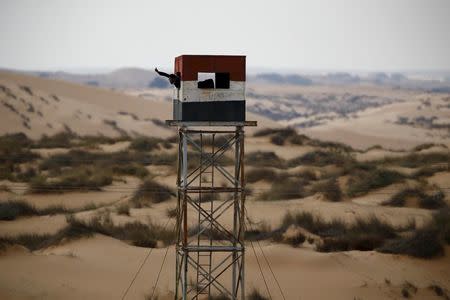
x: 162, y: 73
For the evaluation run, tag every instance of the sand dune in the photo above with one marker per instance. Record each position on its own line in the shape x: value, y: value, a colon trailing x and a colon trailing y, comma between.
x: 82, y: 109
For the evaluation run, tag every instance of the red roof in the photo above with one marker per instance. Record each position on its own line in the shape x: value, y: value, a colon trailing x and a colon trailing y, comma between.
x: 190, y: 65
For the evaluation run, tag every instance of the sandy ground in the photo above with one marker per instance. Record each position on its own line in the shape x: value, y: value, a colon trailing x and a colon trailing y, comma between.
x: 102, y: 267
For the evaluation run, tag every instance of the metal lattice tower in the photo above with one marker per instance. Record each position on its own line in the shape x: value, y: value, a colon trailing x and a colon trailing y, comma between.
x: 210, y: 251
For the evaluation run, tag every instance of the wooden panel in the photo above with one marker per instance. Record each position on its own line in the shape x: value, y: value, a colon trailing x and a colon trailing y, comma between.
x: 190, y: 65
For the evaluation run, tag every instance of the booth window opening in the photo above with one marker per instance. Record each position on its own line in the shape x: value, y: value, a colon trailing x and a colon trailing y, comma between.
x: 218, y: 80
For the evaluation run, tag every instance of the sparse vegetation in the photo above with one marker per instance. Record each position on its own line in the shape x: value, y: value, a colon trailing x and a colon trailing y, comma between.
x: 426, y: 242
x: 264, y: 159
x: 256, y: 295
x: 149, y: 192
x: 330, y: 189
x: 363, y: 234
x: 320, y: 158
x: 171, y: 212
x: 123, y: 209
x: 258, y: 174
x: 362, y: 182
x: 289, y: 188
x: 10, y: 210
x: 143, y: 143
x: 424, y: 200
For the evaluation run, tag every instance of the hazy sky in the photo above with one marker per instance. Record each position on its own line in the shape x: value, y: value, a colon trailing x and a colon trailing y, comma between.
x: 298, y: 35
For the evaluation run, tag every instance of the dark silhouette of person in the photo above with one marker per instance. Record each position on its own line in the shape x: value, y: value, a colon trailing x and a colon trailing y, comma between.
x: 173, y: 78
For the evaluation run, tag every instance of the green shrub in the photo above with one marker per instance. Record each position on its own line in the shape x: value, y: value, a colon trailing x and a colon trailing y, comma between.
x: 320, y: 158
x: 363, y: 182
x: 59, y: 140
x: 132, y: 169
x: 427, y: 171
x: 10, y: 210
x: 441, y: 221
x: 258, y: 174
x: 296, y: 240
x: 149, y: 192
x: 416, y: 160
x: 423, y: 243
x: 264, y: 159
x: 433, y: 201
x: 285, y: 189
x: 171, y: 212
x: 330, y: 189
x: 123, y: 209
x: 364, y: 234
x: 82, y: 178
x: 145, y: 143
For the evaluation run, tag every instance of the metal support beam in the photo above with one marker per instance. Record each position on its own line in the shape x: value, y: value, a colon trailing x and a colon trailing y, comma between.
x: 209, y: 249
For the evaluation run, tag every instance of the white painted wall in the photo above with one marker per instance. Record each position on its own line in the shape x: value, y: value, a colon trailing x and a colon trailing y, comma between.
x: 190, y: 92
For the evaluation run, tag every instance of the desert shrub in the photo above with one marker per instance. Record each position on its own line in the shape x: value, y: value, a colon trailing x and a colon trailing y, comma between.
x: 330, y: 189
x: 299, y: 139
x: 433, y: 201
x: 416, y: 160
x: 139, y: 234
x: 26, y: 89
x: 320, y: 158
x: 423, y: 243
x: 408, y: 289
x: 59, y: 140
x: 439, y: 291
x: 399, y: 198
x: 144, y: 143
x: 258, y: 232
x: 149, y: 192
x: 333, y: 146
x: 258, y: 174
x: 82, y: 178
x: 427, y: 171
x: 264, y: 159
x: 441, y: 221
x: 26, y: 175
x: 296, y: 240
x: 308, y: 175
x: 256, y: 295
x: 132, y: 169
x: 14, y: 149
x: 32, y: 241
x: 284, y: 132
x: 123, y: 161
x: 364, y: 234
x: 171, y: 212
x: 123, y: 209
x: 424, y: 146
x: 10, y: 210
x: 363, y: 182
x: 284, y: 189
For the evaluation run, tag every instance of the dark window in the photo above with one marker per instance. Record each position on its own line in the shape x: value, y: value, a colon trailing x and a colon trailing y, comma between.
x: 222, y: 80
x: 213, y: 80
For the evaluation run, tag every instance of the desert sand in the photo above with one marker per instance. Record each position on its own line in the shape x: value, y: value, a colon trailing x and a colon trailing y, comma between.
x: 101, y: 267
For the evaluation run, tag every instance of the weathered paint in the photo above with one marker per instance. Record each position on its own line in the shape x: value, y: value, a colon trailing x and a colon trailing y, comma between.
x: 190, y: 65
x: 189, y: 92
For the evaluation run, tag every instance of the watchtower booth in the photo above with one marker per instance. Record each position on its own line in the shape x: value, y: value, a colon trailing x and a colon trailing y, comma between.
x: 212, y: 88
